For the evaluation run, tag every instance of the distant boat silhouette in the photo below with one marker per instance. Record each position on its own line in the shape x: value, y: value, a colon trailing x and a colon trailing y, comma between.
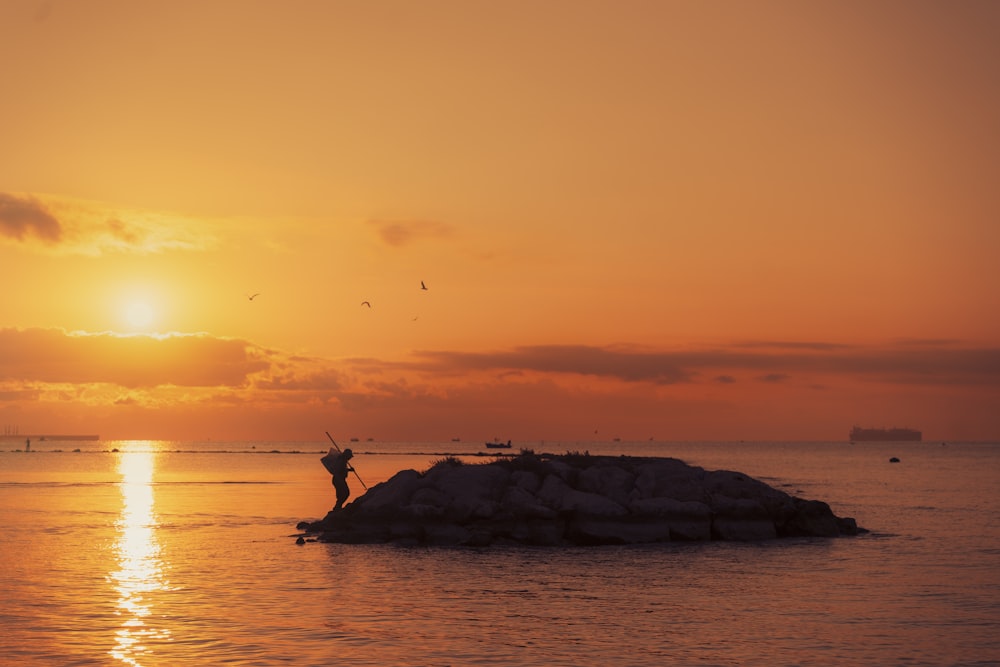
x: 498, y: 445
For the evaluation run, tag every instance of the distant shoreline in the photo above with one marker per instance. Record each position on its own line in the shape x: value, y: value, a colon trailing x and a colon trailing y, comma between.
x: 45, y: 436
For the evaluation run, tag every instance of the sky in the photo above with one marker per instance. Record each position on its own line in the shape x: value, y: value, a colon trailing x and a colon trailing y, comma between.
x: 641, y: 220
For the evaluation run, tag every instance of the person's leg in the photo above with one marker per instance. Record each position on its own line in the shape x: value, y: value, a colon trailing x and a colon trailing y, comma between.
x: 342, y: 493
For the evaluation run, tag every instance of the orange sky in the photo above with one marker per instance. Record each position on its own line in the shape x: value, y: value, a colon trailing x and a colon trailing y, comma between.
x: 676, y: 220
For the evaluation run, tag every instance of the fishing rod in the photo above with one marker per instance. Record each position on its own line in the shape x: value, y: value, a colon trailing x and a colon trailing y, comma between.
x: 348, y: 465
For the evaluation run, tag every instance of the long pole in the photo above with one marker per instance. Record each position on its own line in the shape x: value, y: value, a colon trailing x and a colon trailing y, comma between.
x: 348, y: 465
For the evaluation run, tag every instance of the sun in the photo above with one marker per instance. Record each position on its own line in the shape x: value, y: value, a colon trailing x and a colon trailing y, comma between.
x: 139, y: 314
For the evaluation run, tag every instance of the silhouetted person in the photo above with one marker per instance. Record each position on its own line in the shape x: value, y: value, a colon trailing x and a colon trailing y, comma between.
x: 339, y: 468
x: 27, y: 445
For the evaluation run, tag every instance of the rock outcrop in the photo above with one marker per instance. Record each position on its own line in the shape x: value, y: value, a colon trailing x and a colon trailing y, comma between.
x: 574, y: 499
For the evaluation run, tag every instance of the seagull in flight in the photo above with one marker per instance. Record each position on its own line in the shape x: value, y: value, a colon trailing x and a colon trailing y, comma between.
x: 253, y: 296
x: 422, y: 285
x: 365, y: 303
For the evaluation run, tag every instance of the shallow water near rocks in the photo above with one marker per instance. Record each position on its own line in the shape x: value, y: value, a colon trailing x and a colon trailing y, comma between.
x: 184, y: 553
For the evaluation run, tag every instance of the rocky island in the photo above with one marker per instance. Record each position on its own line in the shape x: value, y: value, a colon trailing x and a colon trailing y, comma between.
x: 573, y: 499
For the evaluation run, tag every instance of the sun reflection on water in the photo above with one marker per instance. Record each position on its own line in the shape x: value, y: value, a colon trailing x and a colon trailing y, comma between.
x: 140, y: 569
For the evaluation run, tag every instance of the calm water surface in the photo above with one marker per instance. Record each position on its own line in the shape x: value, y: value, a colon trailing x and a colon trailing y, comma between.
x: 183, y: 554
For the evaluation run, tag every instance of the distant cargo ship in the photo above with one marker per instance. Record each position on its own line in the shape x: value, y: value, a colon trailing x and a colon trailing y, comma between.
x: 859, y: 434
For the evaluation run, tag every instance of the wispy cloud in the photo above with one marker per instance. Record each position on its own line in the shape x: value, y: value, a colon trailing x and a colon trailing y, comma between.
x: 55, y: 356
x: 202, y: 360
x: 539, y: 387
x: 909, y: 363
x: 24, y: 217
x: 62, y: 225
x: 624, y: 364
x: 820, y: 346
x: 398, y: 233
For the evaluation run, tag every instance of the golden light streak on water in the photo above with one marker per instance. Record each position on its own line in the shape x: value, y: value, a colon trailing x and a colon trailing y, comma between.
x: 140, y: 569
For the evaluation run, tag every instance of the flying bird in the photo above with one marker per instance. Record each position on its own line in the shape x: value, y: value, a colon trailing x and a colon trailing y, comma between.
x: 422, y: 285
x: 253, y: 296
x: 365, y: 303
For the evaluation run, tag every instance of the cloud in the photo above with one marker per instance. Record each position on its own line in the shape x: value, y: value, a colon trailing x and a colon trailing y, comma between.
x: 930, y: 364
x: 316, y: 376
x: 182, y: 383
x: 24, y: 394
x: 119, y: 230
x: 56, y: 357
x: 792, y: 345
x: 21, y: 217
x: 93, y: 231
x: 70, y: 226
x: 624, y: 364
x: 398, y: 233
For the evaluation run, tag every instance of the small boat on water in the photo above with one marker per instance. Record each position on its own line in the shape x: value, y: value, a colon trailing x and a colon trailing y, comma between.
x: 498, y: 445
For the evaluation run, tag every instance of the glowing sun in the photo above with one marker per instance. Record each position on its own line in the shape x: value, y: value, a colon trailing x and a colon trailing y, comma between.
x: 139, y: 314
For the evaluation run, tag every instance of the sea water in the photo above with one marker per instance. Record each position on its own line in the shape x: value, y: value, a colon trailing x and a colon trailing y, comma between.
x: 169, y: 553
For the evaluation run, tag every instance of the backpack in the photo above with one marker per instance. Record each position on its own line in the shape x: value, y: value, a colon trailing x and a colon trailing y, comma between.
x: 327, y: 462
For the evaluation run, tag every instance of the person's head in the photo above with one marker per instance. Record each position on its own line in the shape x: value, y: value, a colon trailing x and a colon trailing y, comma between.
x: 348, y: 454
